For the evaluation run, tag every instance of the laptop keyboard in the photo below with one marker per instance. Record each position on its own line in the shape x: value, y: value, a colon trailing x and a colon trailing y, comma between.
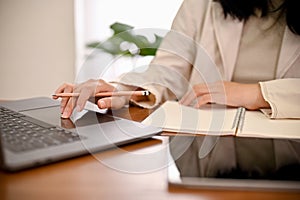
x: 22, y: 133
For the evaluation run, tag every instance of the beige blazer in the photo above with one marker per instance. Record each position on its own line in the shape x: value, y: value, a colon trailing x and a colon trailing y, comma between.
x: 203, y: 47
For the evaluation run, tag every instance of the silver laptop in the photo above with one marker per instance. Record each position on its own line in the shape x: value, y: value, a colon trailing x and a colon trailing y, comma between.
x: 34, y: 134
x: 235, y: 163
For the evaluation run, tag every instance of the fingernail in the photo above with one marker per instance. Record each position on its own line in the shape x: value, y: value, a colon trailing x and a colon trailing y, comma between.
x: 102, y: 104
x: 65, y: 115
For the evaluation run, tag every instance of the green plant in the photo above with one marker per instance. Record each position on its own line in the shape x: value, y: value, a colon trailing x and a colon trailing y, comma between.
x: 122, y: 33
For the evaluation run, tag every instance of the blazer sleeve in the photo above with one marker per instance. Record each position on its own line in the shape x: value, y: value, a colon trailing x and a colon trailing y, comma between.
x: 283, y: 95
x: 167, y: 76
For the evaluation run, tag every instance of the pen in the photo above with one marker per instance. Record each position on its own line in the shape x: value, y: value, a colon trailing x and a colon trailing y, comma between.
x: 107, y: 94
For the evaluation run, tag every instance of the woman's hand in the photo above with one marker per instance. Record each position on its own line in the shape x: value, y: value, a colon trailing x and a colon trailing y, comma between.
x: 226, y: 93
x: 86, y: 91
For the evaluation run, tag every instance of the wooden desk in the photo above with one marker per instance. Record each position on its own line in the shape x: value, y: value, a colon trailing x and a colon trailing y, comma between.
x: 88, y: 178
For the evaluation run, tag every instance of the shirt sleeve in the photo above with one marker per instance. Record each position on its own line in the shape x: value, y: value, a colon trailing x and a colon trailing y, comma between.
x: 283, y: 95
x: 168, y: 75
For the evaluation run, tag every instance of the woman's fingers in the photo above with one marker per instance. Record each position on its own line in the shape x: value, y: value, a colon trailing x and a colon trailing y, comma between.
x: 188, y: 98
x: 83, y: 98
x: 112, y: 102
x: 226, y: 93
x: 64, y: 101
x: 86, y: 90
x: 191, y: 96
x: 68, y: 109
x: 205, y: 93
x: 89, y: 89
x: 205, y: 99
x: 64, y: 88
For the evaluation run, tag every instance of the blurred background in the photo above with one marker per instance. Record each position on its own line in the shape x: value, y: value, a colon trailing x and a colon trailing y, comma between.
x: 43, y: 42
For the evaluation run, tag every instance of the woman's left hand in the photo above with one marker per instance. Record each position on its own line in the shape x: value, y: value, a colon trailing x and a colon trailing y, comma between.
x: 226, y: 93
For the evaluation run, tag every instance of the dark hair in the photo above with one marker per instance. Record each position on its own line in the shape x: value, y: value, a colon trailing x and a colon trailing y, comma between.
x: 243, y: 9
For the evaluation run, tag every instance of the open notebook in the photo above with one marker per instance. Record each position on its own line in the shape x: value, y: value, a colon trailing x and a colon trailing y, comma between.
x: 220, y: 120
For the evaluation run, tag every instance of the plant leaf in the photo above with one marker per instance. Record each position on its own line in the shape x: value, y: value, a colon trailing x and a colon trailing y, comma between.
x: 123, y: 33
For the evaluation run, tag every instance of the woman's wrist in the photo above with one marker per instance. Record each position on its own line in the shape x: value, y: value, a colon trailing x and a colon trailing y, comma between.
x: 260, y: 101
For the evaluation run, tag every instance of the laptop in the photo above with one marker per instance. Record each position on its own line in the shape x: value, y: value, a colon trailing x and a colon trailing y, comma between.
x: 34, y: 134
x: 234, y: 163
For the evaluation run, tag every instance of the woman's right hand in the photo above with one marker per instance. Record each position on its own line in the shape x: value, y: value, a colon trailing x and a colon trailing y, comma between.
x: 86, y: 91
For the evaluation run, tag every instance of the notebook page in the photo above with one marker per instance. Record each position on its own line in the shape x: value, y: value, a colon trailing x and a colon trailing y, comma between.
x: 211, y: 119
x: 256, y: 124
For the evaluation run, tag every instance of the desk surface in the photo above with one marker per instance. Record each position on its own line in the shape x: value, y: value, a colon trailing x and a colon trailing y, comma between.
x: 88, y: 178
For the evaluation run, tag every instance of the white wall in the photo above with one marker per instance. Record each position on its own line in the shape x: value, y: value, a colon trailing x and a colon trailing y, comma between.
x: 36, y: 47
x: 99, y: 14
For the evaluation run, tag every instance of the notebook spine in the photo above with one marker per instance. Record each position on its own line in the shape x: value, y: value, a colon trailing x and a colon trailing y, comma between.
x: 238, y: 121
